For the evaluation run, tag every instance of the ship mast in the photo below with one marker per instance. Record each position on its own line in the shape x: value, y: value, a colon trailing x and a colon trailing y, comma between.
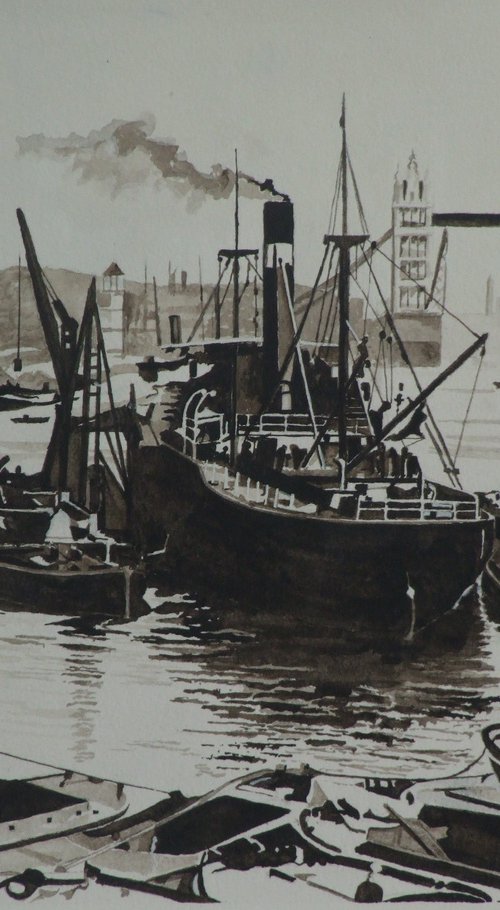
x: 344, y: 241
x: 236, y: 264
x: 233, y: 428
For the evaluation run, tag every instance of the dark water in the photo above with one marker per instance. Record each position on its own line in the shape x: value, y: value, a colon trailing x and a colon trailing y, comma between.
x: 188, y: 696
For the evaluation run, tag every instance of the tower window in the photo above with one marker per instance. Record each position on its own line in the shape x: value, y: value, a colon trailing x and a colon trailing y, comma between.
x: 414, y: 215
x: 412, y: 298
x: 414, y: 268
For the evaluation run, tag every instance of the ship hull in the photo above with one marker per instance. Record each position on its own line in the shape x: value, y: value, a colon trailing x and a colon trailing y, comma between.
x: 393, y: 577
x: 104, y: 591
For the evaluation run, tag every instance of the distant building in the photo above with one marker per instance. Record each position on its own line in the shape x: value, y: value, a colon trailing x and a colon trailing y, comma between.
x: 416, y: 315
x: 140, y: 324
x: 111, y: 308
x: 128, y: 321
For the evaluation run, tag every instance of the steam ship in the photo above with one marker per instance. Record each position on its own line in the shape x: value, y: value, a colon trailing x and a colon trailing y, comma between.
x: 279, y: 481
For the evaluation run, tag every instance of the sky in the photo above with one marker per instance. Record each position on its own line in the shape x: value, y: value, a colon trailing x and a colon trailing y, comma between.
x: 265, y: 77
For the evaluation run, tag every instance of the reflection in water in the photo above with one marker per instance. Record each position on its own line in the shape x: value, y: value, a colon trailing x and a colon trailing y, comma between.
x: 278, y: 697
x: 188, y: 695
x: 83, y: 671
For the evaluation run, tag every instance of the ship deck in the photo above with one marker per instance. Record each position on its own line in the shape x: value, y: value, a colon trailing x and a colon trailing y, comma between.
x: 349, y: 503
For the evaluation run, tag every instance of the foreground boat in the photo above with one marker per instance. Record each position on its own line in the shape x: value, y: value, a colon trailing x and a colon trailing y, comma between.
x: 363, y: 839
x: 282, y: 483
x: 53, y: 820
x: 281, y: 830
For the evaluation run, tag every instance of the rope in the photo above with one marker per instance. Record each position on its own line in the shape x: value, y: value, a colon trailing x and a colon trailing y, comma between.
x: 385, y: 370
x: 335, y: 310
x: 254, y: 267
x: 325, y: 292
x: 450, y: 469
x: 367, y: 299
x: 380, y: 343
x: 364, y: 224
x: 335, y: 198
x: 391, y: 366
x: 469, y: 405
x: 368, y: 304
x: 207, y: 304
x: 428, y: 295
x: 293, y: 344
x: 221, y: 304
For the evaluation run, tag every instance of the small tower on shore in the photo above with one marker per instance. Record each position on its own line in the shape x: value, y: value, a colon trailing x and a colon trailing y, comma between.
x: 111, y: 300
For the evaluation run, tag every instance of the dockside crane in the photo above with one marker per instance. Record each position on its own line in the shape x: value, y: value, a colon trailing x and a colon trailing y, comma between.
x: 60, y: 331
x: 74, y: 348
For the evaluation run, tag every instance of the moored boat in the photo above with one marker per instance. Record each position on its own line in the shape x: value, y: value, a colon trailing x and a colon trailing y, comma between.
x: 286, y: 483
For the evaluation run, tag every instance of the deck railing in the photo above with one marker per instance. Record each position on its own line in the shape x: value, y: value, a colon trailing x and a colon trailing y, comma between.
x: 421, y: 509
x: 366, y: 509
x: 295, y: 424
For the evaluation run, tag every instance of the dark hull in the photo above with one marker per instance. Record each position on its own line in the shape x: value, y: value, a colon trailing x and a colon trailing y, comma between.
x: 303, y: 566
x: 43, y: 590
x: 15, y: 403
x: 27, y: 419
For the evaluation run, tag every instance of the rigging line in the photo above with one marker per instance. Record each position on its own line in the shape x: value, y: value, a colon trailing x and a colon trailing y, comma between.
x: 323, y: 300
x: 450, y: 467
x: 407, y: 360
x: 469, y: 405
x: 364, y: 224
x: 335, y: 199
x: 245, y: 286
x: 251, y: 264
x: 298, y: 332
x: 331, y: 308
x: 435, y: 443
x: 329, y: 423
x: 368, y: 304
x: 376, y: 370
x: 385, y: 369
x: 301, y: 362
x: 325, y: 292
x: 293, y: 344
x: 209, y: 301
x: 391, y: 366
x: 427, y: 294
x: 221, y: 304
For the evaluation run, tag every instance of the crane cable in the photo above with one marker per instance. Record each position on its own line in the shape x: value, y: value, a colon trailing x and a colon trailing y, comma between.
x: 451, y: 467
x: 426, y: 292
x: 469, y: 405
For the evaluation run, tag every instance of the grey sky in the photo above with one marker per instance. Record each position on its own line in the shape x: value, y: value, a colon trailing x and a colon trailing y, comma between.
x: 265, y: 76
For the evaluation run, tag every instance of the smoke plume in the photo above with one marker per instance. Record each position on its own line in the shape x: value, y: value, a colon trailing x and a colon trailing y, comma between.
x: 124, y: 153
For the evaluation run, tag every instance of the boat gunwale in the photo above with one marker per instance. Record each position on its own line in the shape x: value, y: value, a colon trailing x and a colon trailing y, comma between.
x: 484, y: 520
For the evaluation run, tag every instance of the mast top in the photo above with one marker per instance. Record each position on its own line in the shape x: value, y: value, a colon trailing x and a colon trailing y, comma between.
x: 339, y: 231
